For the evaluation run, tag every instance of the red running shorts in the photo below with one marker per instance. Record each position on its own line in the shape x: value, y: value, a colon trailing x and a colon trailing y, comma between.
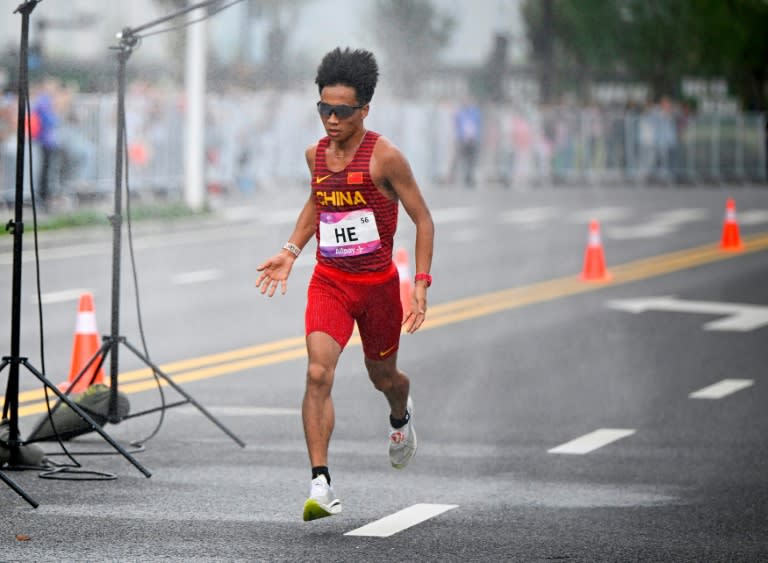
x: 336, y: 300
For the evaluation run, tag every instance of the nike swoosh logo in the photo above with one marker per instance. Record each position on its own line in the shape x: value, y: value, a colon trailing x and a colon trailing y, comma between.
x: 387, y: 351
x: 321, y: 179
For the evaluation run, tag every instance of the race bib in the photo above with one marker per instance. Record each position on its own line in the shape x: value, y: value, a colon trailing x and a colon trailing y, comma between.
x: 348, y: 233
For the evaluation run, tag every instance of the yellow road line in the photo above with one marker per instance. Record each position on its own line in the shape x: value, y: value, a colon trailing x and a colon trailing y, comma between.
x: 215, y: 365
x: 182, y: 365
x: 631, y: 271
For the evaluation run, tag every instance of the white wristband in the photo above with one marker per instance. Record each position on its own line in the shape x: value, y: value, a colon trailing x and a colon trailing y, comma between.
x: 292, y: 248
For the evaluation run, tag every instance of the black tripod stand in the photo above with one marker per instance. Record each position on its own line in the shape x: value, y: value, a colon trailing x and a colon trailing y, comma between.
x: 129, y: 38
x: 16, y: 228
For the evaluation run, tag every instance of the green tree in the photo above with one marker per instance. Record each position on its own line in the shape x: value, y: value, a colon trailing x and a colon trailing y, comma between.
x: 411, y: 33
x: 655, y: 41
x: 732, y: 42
x: 572, y: 42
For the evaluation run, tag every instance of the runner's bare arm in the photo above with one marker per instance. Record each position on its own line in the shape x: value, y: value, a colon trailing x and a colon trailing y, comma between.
x: 392, y: 173
x: 275, y: 271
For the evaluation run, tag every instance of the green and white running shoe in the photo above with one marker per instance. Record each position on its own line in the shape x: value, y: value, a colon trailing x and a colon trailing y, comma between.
x: 321, y: 502
x: 402, y: 441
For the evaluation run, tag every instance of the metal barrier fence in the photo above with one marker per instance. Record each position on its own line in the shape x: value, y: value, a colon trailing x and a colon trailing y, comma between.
x: 590, y: 146
x: 255, y: 141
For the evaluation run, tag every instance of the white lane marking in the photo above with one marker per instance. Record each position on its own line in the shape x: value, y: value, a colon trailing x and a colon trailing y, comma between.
x: 61, y: 296
x: 198, y: 276
x: 63, y: 253
x: 529, y: 216
x: 454, y: 214
x: 243, y: 411
x: 464, y: 235
x: 141, y: 242
x: 281, y: 217
x: 646, y: 230
x: 592, y: 441
x: 660, y: 224
x: 681, y: 215
x: 721, y: 389
x: 255, y: 214
x: 600, y: 214
x: 752, y: 216
x: 739, y: 317
x: 399, y: 521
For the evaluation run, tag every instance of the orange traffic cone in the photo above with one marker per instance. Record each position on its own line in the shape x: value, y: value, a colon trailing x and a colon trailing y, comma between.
x: 406, y: 284
x: 730, y: 239
x: 594, y: 258
x: 84, y: 349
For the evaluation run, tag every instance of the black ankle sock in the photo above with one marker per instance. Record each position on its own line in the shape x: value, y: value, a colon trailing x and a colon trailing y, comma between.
x: 321, y: 470
x: 399, y: 423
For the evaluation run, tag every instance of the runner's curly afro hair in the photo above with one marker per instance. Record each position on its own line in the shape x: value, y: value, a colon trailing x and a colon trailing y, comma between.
x: 357, y: 69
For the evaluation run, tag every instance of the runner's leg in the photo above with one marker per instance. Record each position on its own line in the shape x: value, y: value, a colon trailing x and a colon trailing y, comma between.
x: 391, y: 381
x: 317, y: 408
x: 380, y: 328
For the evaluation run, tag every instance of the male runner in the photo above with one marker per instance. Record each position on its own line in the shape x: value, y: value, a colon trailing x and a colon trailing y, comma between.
x: 358, y: 179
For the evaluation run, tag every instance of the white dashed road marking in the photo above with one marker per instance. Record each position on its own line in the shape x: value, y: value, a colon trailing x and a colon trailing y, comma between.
x: 658, y: 225
x: 464, y: 235
x: 592, y: 441
x: 529, y: 216
x: 199, y: 276
x: 721, y: 389
x: 454, y: 214
x: 753, y: 217
x: 61, y: 296
x: 399, y: 521
x: 600, y: 214
x: 281, y: 217
x: 644, y: 231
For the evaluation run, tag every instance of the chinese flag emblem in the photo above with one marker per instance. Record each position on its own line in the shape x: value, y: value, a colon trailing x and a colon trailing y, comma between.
x: 354, y: 178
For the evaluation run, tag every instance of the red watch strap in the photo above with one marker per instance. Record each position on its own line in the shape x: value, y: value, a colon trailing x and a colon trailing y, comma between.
x: 423, y: 276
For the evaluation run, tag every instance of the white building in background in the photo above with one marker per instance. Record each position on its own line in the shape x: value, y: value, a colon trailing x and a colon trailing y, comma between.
x: 313, y: 27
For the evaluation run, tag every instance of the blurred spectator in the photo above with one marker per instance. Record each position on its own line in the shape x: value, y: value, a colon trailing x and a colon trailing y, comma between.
x: 616, y: 142
x: 78, y: 168
x: 522, y: 141
x: 8, y: 117
x: 646, y: 138
x: 566, y: 127
x: 502, y: 143
x: 44, y: 107
x: 542, y: 149
x: 665, y: 139
x: 682, y: 115
x: 594, y: 127
x: 468, y: 123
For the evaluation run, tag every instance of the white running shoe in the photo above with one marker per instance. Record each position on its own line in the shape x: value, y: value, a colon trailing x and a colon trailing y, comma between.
x: 402, y: 441
x: 321, y: 502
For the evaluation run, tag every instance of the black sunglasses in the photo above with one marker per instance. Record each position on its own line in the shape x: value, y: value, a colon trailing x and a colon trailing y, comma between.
x: 342, y: 111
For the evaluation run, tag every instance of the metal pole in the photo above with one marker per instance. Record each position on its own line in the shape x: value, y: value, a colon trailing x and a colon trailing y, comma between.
x: 17, y: 229
x: 194, y: 149
x: 116, y: 219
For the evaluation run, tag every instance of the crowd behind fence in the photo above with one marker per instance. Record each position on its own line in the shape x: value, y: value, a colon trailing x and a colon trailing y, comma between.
x: 255, y: 142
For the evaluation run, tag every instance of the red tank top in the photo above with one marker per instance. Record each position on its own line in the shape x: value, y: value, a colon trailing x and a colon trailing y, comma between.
x: 356, y: 222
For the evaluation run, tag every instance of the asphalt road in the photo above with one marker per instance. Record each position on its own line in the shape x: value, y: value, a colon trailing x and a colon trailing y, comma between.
x: 555, y: 424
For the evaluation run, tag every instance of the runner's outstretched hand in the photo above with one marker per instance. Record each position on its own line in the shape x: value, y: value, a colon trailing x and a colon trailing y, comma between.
x: 413, y: 319
x: 274, y: 272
